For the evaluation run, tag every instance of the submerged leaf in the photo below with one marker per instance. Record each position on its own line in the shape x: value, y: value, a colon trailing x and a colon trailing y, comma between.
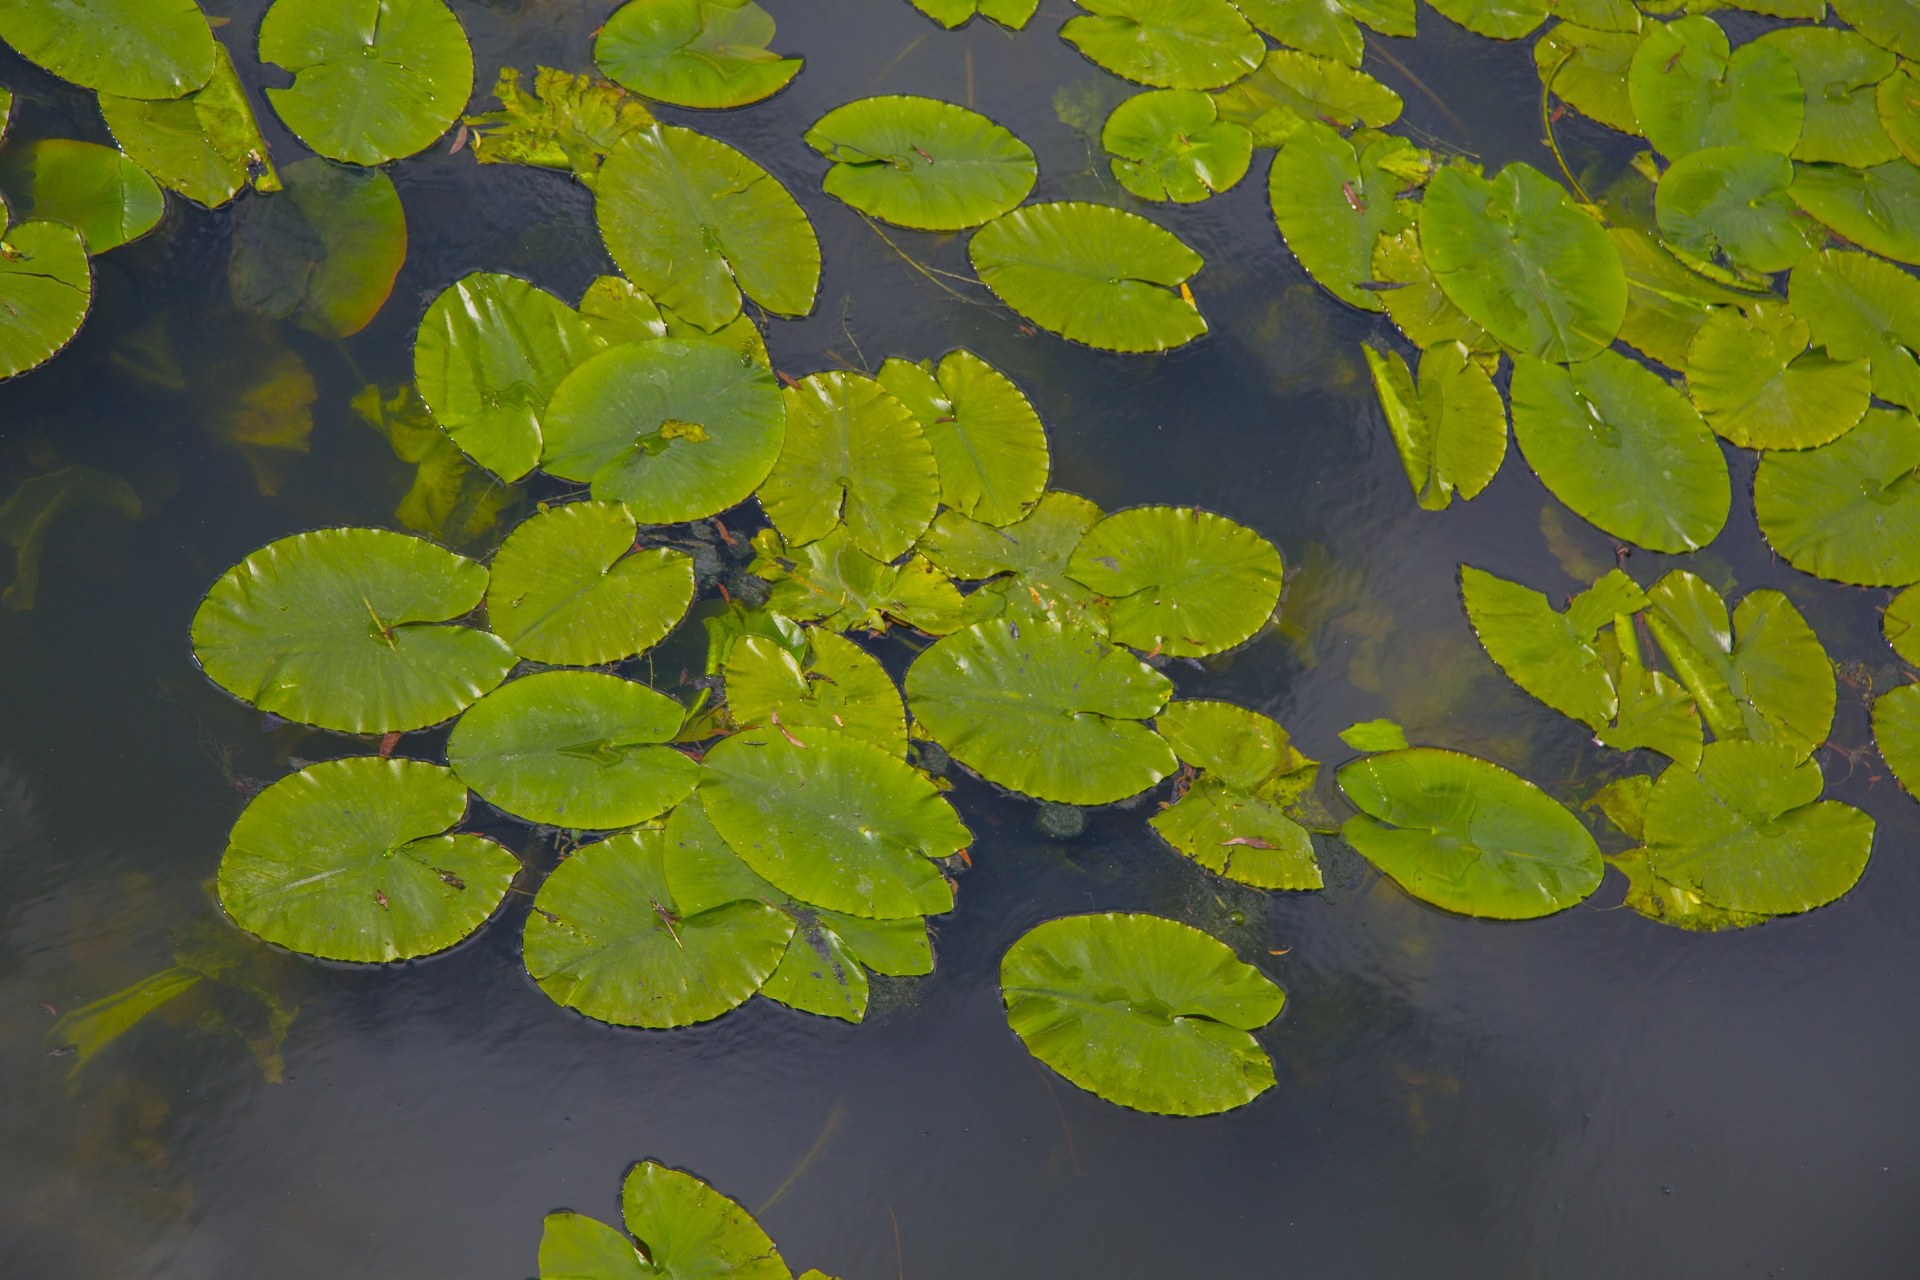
x: 568, y: 122
x: 1170, y: 44
x: 140, y: 48
x: 451, y: 500
x: 92, y: 1027
x: 694, y: 53
x: 1691, y: 91
x: 988, y: 442
x: 256, y: 396
x: 1333, y: 201
x: 46, y: 286
x: 837, y: 584
x: 922, y: 163
x: 324, y: 251
x: 28, y: 514
x: 205, y: 145
x: 1170, y: 144
x: 1759, y: 386
x: 1860, y: 308
x: 1452, y: 431
x: 1850, y: 510
x: 1178, y: 580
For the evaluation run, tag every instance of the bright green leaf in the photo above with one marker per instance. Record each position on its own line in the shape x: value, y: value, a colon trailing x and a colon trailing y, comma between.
x: 835, y: 687
x: 1848, y: 511
x: 205, y: 145
x: 46, y: 286
x: 1877, y: 209
x: 1735, y: 201
x: 694, y: 53
x: 1452, y: 431
x: 833, y: 582
x: 1860, y: 308
x: 1757, y: 384
x: 1333, y: 202
x: 922, y: 163
x: 1839, y: 71
x: 1689, y: 90
x: 1178, y: 580
x: 1170, y: 144
x: 139, y: 48
x: 1170, y: 44
x: 989, y: 443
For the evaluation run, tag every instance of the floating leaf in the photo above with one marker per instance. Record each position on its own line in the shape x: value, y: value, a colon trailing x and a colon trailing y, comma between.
x: 1666, y: 302
x: 1848, y: 511
x: 569, y: 588
x: 841, y: 688
x: 338, y: 628
x: 1374, y: 735
x: 1690, y: 91
x: 205, y: 145
x: 1011, y: 14
x: 1178, y: 580
x: 1496, y: 19
x: 1048, y: 709
x: 695, y: 224
x: 1839, y: 71
x: 690, y: 1230
x: 1896, y: 731
x: 1891, y: 24
x: 1877, y: 209
x: 373, y: 80
x: 1467, y: 835
x: 694, y: 53
x: 676, y: 429
x: 1678, y: 905
x: 46, y: 286
x: 1145, y: 1012
x: 1333, y: 202
x: 451, y: 500
x: 1860, y: 308
x: 1306, y: 88
x: 1240, y: 836
x: 1329, y: 28
x: 1422, y: 311
x: 324, y: 251
x: 1626, y: 451
x: 1027, y: 560
x: 487, y: 357
x: 1759, y: 386
x: 838, y: 822
x: 1452, y: 431
x: 1898, y: 101
x: 1170, y: 44
x: 1588, y: 70
x: 1242, y: 749
x: 837, y: 584
x: 1093, y: 274
x: 572, y: 1244
x: 989, y: 443
x: 852, y: 453
x: 606, y: 937
x: 568, y: 122
x: 1170, y: 144
x: 345, y: 861
x: 822, y: 971
x: 27, y: 516
x: 1750, y: 833
x: 1736, y: 201
x: 1523, y: 261
x: 95, y: 190
x: 140, y: 48
x: 736, y: 622
x: 1901, y: 624
x: 922, y: 163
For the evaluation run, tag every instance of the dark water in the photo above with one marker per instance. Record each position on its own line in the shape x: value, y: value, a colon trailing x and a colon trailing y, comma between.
x: 1592, y: 1095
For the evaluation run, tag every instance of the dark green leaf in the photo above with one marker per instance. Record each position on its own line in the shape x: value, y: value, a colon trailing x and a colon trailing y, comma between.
x: 324, y: 251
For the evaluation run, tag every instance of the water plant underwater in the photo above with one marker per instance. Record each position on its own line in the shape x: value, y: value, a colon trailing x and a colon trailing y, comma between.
x: 785, y: 831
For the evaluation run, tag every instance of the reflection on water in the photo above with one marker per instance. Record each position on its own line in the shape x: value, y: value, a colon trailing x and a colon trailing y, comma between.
x: 1589, y: 1095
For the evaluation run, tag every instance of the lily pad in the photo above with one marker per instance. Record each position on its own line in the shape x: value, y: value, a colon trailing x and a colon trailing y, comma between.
x: 488, y: 355
x: 922, y: 163
x: 1011, y: 14
x: 1588, y: 70
x: 1291, y: 88
x: 139, y: 48
x: 572, y: 1244
x: 1452, y: 431
x: 1877, y: 209
x: 1736, y: 201
x: 1178, y: 580
x: 696, y: 224
x: 569, y: 588
x: 1419, y: 307
x: 839, y: 823
x: 574, y: 749
x: 46, y: 286
x: 1749, y: 831
x: 1170, y: 144
x: 1898, y: 101
x: 1896, y: 731
x: 1626, y: 451
x: 989, y: 444
x: 1496, y: 19
x: 694, y: 53
x: 1901, y: 625
x: 205, y: 145
x: 833, y: 582
x: 852, y: 453
x: 1170, y: 44
x: 824, y: 969
x: 1375, y: 735
x: 1329, y: 28
x: 373, y: 80
x: 1025, y: 562
x: 836, y: 687
x: 1241, y: 749
x: 1848, y: 511
x: 690, y: 1230
x: 1523, y: 261
x: 1333, y: 201
x: 1666, y: 302
x: 1690, y: 90
x: 95, y: 190
x: 1839, y: 71
x: 1094, y: 274
x: 1240, y: 836
x: 1467, y: 835
x: 345, y: 861
x: 324, y: 251
x: 1759, y: 386
x: 569, y: 122
x: 1860, y: 308
x: 606, y: 937
x: 1145, y: 1012
x: 678, y: 429
x: 1047, y: 709
x: 341, y: 628
x: 1891, y: 24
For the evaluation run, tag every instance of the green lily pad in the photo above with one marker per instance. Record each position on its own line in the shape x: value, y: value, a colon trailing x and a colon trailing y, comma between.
x: 1170, y: 144
x: 1452, y: 431
x: 341, y: 628
x: 1047, y: 709
x: 1757, y: 384
x: 1736, y: 201
x: 1588, y: 70
x: 1093, y: 274
x: 989, y: 444
x: 922, y: 163
x: 1329, y: 28
x: 1896, y: 731
x: 1025, y: 563
x: 1891, y: 24
x: 690, y: 1230
x: 1523, y: 261
x: 205, y: 145
x: 1898, y: 101
x: 1690, y: 91
x: 1241, y: 749
x: 1239, y: 836
x: 575, y: 749
x: 324, y: 251
x: 1679, y: 905
x: 568, y: 587
x: 1761, y: 675
x: 833, y: 582
x: 841, y: 688
x: 1011, y: 14
x: 696, y: 224
x: 46, y: 287
x: 839, y: 823
x: 1419, y: 306
x: 1145, y: 1012
x: 694, y: 53
x: 450, y: 500
x: 1666, y: 303
x: 678, y: 429
x: 1860, y: 308
x: 1901, y: 625
x: 487, y: 357
x: 1750, y: 833
x: 1877, y: 209
x: 569, y: 122
x: 139, y: 48
x: 1333, y: 202
x: 1170, y: 44
x: 373, y: 80
x: 1622, y: 448
x: 1839, y: 71
x: 1496, y: 19
x: 1178, y: 580
x: 1467, y: 835
x: 95, y: 190
x: 606, y: 937
x: 1303, y: 87
x: 345, y: 861
x: 572, y: 1244
x: 1848, y: 511
x: 852, y: 453
x: 825, y: 968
